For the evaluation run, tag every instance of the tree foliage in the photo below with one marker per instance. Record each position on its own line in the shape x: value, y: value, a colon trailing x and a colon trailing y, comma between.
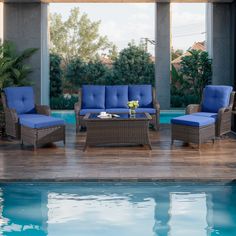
x: 13, y: 70
x: 77, y: 36
x: 134, y: 66
x: 196, y: 71
x: 55, y: 76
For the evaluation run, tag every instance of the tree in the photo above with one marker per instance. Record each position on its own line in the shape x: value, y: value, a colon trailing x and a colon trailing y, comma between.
x: 13, y: 69
x: 134, y: 66
x: 78, y: 36
x: 196, y: 71
x: 113, y: 53
x: 55, y: 76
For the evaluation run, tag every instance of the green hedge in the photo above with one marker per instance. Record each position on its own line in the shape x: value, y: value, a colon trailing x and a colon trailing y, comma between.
x: 65, y: 102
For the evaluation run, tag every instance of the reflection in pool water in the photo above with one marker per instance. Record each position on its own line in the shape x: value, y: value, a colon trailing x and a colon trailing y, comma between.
x: 127, y: 209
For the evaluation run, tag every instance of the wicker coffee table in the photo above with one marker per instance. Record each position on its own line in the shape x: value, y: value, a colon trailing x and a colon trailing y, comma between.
x: 121, y: 130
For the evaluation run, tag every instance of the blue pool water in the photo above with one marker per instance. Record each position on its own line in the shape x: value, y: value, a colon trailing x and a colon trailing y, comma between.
x: 69, y: 116
x: 117, y: 209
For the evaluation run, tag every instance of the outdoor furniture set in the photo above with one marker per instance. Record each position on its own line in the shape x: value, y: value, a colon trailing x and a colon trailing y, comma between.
x: 210, y: 119
x: 33, y: 124
x: 28, y: 122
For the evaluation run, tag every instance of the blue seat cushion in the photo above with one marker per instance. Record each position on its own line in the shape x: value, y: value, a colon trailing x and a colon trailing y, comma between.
x: 117, y: 110
x: 93, y: 97
x: 37, y: 121
x: 85, y: 111
x: 146, y: 110
x: 21, y: 99
x: 142, y: 93
x: 206, y: 114
x: 116, y: 96
x: 191, y: 120
x: 216, y: 97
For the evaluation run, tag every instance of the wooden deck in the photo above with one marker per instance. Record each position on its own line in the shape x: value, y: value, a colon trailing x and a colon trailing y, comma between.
x: 165, y: 162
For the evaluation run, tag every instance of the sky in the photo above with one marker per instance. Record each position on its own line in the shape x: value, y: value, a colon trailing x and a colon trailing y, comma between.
x: 124, y: 22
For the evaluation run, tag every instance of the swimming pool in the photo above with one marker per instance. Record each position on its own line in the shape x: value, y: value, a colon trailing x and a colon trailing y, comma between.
x: 165, y: 116
x: 117, y: 209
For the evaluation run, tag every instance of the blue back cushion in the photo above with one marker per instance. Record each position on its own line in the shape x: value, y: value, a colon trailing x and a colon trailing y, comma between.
x: 21, y: 99
x: 117, y: 96
x: 93, y: 96
x: 142, y: 93
x: 215, y: 97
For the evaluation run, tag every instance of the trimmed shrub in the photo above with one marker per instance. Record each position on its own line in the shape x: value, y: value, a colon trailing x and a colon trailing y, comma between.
x: 65, y: 102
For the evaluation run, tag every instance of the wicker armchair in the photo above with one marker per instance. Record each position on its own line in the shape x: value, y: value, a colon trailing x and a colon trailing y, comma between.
x: 80, y: 122
x: 223, y: 114
x: 30, y: 123
x: 12, y: 127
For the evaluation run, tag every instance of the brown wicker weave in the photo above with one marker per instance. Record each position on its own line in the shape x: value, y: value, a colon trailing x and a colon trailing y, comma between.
x: 80, y: 122
x: 191, y: 134
x: 2, y: 124
x: 28, y: 135
x: 117, y: 131
x: 223, y: 123
x: 42, y: 136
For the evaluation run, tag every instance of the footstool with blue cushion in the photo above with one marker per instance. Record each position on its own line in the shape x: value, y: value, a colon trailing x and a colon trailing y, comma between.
x: 39, y: 129
x: 193, y: 129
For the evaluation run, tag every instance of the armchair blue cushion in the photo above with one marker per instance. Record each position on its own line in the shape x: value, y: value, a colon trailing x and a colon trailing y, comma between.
x: 142, y: 93
x: 116, y: 96
x: 21, y: 99
x: 93, y: 97
x: 215, y: 97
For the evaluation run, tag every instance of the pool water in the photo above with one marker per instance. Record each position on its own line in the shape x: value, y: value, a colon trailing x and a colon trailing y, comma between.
x: 117, y: 209
x: 69, y: 116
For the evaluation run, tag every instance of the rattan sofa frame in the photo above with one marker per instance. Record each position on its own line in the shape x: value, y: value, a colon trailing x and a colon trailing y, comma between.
x: 223, y: 122
x: 28, y: 135
x: 80, y: 122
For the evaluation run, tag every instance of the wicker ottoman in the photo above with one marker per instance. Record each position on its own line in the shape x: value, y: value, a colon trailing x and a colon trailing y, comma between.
x: 40, y: 129
x: 193, y: 129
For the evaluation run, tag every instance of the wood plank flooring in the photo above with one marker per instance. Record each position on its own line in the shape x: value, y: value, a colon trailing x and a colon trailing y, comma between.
x: 164, y: 162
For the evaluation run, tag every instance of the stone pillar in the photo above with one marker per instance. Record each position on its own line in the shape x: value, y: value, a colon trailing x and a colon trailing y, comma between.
x: 1, y: 21
x: 162, y: 52
x: 26, y: 24
x: 219, y: 42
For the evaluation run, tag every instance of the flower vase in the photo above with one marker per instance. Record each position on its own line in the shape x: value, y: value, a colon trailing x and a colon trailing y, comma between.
x: 132, y: 113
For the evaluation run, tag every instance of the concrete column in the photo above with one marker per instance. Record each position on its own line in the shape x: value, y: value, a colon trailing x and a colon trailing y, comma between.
x: 26, y: 24
x: 162, y: 52
x: 1, y: 21
x: 219, y: 42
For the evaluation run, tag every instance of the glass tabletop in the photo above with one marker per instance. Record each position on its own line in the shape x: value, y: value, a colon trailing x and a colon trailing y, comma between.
x: 118, y: 116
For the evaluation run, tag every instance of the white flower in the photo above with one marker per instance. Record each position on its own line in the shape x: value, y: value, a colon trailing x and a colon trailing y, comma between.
x: 67, y: 96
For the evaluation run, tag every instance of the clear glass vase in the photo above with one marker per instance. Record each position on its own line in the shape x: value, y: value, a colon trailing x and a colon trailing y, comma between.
x: 132, y: 113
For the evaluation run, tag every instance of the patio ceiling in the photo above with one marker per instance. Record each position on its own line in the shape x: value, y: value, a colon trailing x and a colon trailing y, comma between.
x: 115, y: 1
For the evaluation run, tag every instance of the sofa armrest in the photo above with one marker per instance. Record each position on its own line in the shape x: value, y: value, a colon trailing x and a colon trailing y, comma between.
x: 192, y: 108
x: 11, y: 116
x: 43, y: 109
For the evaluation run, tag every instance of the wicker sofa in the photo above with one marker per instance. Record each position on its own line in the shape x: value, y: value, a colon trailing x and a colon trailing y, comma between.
x: 29, y: 122
x: 113, y: 99
x: 217, y: 102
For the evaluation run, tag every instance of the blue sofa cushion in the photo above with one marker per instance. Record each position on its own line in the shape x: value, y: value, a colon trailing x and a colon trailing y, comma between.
x: 36, y: 121
x: 85, y: 111
x: 215, y: 97
x: 147, y: 110
x: 93, y: 97
x: 191, y: 120
x: 142, y: 93
x: 206, y: 114
x: 117, y: 96
x: 21, y: 99
x: 117, y: 110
